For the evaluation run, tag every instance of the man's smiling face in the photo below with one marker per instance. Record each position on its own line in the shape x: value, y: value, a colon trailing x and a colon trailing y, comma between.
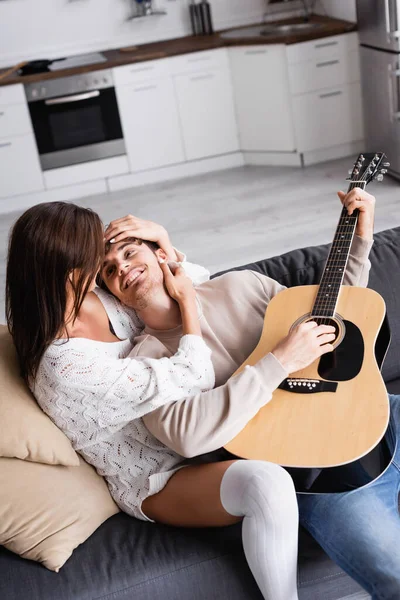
x: 132, y: 273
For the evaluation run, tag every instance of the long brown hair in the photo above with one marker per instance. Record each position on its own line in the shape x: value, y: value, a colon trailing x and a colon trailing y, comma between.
x: 46, y: 243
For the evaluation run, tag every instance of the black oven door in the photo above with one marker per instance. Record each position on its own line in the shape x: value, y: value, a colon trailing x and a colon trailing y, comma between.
x: 77, y: 128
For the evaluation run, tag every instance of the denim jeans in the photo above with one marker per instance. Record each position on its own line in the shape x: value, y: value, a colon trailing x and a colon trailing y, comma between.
x: 360, y: 529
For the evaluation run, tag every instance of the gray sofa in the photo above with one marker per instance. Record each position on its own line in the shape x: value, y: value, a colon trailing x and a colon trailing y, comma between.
x: 126, y: 559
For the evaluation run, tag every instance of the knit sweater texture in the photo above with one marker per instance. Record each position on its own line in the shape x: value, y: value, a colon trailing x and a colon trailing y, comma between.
x: 97, y: 394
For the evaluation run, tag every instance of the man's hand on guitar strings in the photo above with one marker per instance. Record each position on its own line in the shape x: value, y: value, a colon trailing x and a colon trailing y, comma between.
x: 307, y: 342
x: 365, y: 203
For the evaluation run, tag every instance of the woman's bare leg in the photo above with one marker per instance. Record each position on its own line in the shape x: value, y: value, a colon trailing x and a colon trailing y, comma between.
x: 192, y: 498
x: 224, y: 493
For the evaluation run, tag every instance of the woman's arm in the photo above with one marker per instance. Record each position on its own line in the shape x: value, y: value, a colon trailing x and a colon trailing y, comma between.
x: 110, y: 392
x: 131, y: 226
x: 180, y: 288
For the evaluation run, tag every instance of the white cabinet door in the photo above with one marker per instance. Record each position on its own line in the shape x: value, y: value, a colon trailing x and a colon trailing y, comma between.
x: 14, y: 120
x: 19, y: 166
x: 262, y: 98
x: 328, y: 117
x: 150, y: 124
x: 207, y: 113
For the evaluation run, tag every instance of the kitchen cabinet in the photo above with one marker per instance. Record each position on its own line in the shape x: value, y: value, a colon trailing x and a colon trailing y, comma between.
x: 19, y: 165
x: 329, y: 117
x: 19, y: 160
x: 324, y: 78
x: 262, y: 98
x: 206, y: 111
x: 149, y: 117
x: 150, y: 124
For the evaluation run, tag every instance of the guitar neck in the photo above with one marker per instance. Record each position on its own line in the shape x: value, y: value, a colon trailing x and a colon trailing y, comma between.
x: 332, y: 278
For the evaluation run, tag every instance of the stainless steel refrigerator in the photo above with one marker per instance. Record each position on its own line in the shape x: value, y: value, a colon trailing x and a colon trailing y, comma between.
x: 379, y: 33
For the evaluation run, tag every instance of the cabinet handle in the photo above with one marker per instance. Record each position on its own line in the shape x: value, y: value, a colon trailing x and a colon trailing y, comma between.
x: 144, y: 88
x: 200, y: 77
x: 394, y: 94
x: 256, y: 51
x: 328, y: 63
x: 199, y: 59
x: 149, y: 68
x: 326, y: 44
x: 330, y: 94
x: 391, y: 34
x: 5, y: 145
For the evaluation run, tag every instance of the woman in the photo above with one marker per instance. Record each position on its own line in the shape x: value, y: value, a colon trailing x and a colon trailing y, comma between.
x: 84, y: 379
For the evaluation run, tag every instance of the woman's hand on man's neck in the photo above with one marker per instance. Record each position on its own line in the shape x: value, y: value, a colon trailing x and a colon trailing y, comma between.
x: 163, y: 313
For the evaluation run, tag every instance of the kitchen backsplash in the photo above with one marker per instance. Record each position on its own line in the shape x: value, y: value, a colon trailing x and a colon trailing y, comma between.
x: 51, y: 28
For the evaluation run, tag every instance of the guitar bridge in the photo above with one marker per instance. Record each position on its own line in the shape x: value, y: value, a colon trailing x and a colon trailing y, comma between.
x: 307, y: 386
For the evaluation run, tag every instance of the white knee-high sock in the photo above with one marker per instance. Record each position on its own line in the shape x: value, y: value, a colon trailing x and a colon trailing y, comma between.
x: 263, y: 493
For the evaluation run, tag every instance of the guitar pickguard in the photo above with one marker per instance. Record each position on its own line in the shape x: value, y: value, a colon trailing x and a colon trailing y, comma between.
x: 346, y: 360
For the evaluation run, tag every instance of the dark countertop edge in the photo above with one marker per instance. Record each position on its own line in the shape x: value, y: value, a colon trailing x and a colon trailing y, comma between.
x: 186, y: 45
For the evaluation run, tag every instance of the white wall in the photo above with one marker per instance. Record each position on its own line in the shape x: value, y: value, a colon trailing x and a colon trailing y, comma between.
x: 49, y: 28
x: 340, y: 9
x: 53, y: 28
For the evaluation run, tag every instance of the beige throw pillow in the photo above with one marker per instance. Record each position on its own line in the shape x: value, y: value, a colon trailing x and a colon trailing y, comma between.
x: 25, y: 431
x: 47, y: 511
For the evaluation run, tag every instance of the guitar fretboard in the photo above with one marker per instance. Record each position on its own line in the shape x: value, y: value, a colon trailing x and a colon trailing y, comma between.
x: 332, y: 278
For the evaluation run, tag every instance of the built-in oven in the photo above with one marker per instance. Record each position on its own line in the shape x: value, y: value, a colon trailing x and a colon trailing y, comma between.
x: 75, y: 119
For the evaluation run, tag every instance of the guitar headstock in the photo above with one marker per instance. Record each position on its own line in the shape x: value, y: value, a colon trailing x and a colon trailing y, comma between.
x: 368, y: 167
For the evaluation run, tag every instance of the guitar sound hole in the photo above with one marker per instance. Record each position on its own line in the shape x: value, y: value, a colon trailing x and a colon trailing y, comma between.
x: 330, y: 322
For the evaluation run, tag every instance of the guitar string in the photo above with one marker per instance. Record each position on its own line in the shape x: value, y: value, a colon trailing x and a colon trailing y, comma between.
x: 335, y: 262
x: 334, y: 280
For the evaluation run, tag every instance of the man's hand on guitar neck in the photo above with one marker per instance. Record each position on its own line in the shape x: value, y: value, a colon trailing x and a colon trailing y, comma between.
x: 365, y: 203
x: 307, y: 342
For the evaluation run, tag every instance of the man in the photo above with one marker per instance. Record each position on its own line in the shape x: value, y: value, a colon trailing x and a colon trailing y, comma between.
x: 360, y: 529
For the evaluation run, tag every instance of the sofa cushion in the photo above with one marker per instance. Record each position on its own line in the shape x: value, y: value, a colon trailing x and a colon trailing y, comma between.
x: 46, y: 511
x: 25, y: 431
x: 305, y: 267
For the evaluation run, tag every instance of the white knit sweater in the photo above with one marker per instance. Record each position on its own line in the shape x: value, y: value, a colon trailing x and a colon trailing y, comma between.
x: 97, y: 395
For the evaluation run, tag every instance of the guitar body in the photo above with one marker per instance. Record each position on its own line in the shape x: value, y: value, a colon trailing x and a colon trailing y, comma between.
x: 307, y: 426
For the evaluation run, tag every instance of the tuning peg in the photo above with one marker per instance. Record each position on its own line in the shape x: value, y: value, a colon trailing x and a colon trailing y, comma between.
x: 383, y: 171
x: 386, y: 164
x: 379, y: 177
x: 350, y: 171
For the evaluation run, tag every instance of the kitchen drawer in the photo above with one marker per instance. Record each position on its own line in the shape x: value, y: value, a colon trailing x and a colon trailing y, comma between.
x: 199, y: 61
x: 142, y: 71
x: 14, y: 120
x: 323, y: 48
x: 20, y: 168
x: 316, y: 74
x: 328, y: 118
x: 12, y: 94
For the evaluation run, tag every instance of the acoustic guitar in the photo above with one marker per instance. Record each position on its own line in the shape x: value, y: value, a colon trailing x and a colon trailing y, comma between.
x: 336, y: 410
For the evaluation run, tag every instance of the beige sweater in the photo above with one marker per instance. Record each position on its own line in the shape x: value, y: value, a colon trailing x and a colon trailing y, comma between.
x: 232, y: 309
